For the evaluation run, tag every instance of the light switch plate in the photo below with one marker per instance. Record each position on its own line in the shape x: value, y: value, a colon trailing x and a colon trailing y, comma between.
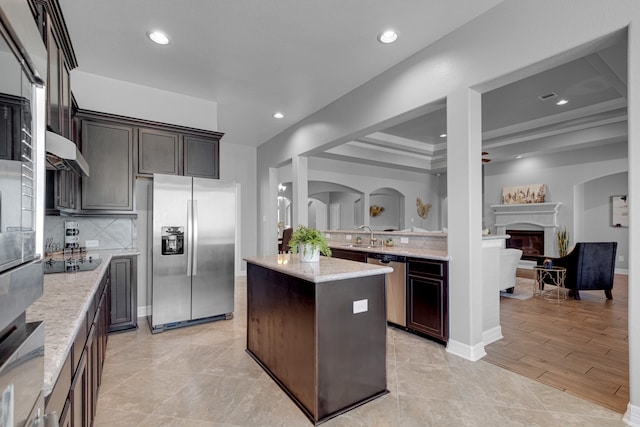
x: 404, y: 240
x: 327, y: 235
x: 360, y: 306
x: 348, y: 237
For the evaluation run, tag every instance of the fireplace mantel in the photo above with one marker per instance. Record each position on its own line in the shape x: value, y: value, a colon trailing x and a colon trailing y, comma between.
x: 531, y: 216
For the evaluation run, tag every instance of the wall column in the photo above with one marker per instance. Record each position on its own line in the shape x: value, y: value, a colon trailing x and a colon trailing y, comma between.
x: 464, y: 184
x: 300, y: 191
x: 632, y: 416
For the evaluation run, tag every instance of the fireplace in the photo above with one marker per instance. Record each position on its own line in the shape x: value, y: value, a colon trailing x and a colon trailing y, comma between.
x: 531, y: 243
x: 532, y: 217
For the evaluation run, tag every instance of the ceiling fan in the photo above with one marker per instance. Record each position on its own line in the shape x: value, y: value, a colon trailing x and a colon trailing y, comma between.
x: 485, y: 160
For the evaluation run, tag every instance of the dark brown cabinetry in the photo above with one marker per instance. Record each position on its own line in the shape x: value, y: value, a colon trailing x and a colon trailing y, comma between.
x: 124, y: 310
x: 427, y: 297
x: 158, y: 152
x: 201, y: 157
x: 350, y: 255
x: 75, y: 393
x: 181, y: 152
x: 108, y: 149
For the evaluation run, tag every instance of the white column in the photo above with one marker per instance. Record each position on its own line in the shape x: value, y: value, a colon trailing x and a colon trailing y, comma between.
x: 632, y: 416
x: 464, y: 188
x: 300, y: 191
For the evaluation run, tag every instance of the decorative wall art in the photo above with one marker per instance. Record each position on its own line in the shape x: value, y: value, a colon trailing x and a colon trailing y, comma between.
x: 375, y: 210
x: 422, y: 208
x: 620, y: 211
x: 523, y: 194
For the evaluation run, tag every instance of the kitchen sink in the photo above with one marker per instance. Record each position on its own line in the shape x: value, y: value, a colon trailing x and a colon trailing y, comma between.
x: 358, y: 245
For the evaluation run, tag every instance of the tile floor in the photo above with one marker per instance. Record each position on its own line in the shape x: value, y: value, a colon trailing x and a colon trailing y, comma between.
x: 201, y: 376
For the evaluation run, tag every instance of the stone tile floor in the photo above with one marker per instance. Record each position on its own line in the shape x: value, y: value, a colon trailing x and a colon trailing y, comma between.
x: 201, y: 376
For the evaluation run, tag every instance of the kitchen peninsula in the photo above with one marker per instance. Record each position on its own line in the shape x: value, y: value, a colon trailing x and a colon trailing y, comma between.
x: 319, y: 330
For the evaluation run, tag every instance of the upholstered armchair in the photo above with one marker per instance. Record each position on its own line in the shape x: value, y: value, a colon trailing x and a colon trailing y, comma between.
x: 590, y: 266
x: 509, y: 259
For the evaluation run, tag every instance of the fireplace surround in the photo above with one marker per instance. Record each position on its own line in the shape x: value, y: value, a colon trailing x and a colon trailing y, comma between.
x: 530, y: 217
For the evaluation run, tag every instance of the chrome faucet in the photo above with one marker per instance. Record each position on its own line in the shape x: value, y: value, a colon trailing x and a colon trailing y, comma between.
x: 372, y: 240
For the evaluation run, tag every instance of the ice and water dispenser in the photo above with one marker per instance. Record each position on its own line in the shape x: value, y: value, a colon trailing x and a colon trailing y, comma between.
x: 172, y: 240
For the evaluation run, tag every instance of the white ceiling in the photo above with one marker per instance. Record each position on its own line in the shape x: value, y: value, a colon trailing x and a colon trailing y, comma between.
x: 256, y: 57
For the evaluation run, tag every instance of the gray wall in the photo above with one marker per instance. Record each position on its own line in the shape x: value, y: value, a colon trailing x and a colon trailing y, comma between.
x: 582, y: 181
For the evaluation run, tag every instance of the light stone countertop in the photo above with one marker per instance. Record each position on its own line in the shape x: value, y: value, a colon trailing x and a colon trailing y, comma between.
x: 63, y: 306
x: 326, y: 270
x: 436, y: 254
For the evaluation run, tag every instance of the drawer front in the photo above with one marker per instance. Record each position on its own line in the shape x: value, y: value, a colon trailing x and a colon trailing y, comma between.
x: 426, y: 267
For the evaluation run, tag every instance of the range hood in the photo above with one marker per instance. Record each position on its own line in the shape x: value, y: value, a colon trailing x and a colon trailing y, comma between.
x: 62, y: 154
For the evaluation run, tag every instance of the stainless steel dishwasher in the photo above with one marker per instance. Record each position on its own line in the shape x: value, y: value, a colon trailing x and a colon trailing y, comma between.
x: 395, y: 284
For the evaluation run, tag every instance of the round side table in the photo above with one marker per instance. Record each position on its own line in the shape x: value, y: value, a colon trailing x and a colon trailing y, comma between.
x: 549, y: 276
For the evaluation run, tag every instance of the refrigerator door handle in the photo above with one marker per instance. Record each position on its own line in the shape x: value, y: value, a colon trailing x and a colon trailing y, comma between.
x: 195, y: 238
x: 189, y: 236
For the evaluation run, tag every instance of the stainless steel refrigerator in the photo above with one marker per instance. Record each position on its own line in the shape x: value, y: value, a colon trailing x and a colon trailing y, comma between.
x: 193, y: 251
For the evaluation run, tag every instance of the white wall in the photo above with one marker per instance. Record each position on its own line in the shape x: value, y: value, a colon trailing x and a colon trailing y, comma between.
x: 98, y: 93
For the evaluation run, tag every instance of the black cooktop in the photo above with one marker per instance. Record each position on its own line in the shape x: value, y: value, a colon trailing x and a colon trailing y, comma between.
x: 71, y: 265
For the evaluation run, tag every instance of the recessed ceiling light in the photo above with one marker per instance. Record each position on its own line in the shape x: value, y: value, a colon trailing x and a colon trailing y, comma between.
x: 443, y: 135
x: 562, y: 102
x: 519, y: 156
x: 278, y: 115
x: 158, y: 37
x: 389, y: 36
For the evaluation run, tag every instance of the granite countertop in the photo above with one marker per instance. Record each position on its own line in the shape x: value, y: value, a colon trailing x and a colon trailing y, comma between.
x: 63, y: 306
x: 326, y: 270
x: 395, y: 250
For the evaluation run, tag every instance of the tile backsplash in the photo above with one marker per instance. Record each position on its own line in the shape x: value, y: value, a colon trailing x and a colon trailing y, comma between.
x: 111, y: 233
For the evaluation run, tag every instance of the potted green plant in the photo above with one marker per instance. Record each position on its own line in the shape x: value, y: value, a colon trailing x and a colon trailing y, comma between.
x: 310, y: 243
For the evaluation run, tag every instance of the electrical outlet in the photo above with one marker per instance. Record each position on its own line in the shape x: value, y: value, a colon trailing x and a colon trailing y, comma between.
x: 348, y: 237
x: 360, y: 306
x: 620, y: 258
x: 92, y: 243
x: 327, y: 235
x: 404, y: 240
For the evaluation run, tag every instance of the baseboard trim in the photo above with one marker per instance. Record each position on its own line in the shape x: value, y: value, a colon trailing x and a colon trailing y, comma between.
x: 632, y: 416
x: 623, y: 271
x: 472, y: 353
x: 492, y: 335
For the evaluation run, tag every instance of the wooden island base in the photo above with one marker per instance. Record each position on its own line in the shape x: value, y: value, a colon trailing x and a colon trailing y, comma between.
x: 306, y: 336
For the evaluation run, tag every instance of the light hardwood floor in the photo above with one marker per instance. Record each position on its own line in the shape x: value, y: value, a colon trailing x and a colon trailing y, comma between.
x: 580, y: 347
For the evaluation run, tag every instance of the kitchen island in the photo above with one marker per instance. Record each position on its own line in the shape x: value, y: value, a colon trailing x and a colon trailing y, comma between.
x: 319, y: 330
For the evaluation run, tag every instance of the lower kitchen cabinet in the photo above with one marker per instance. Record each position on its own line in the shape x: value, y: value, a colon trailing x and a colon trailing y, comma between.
x: 427, y: 298
x: 124, y: 291
x: 75, y: 394
x: 359, y: 256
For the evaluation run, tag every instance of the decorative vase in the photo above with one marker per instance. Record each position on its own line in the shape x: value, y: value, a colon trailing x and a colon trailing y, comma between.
x: 309, y: 253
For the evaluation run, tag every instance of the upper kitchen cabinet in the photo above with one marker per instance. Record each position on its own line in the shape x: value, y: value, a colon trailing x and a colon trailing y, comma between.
x: 201, y: 157
x: 108, y: 149
x: 61, y: 61
x: 158, y: 152
x: 183, y: 151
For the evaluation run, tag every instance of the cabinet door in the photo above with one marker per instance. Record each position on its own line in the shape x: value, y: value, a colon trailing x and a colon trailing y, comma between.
x: 426, y: 306
x: 78, y: 393
x: 65, y: 99
x: 201, y: 157
x: 108, y: 149
x: 158, y: 152
x: 123, y: 298
x: 53, y: 81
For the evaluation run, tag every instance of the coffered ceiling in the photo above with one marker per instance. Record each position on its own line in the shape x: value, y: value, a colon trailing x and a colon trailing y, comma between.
x: 518, y: 119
